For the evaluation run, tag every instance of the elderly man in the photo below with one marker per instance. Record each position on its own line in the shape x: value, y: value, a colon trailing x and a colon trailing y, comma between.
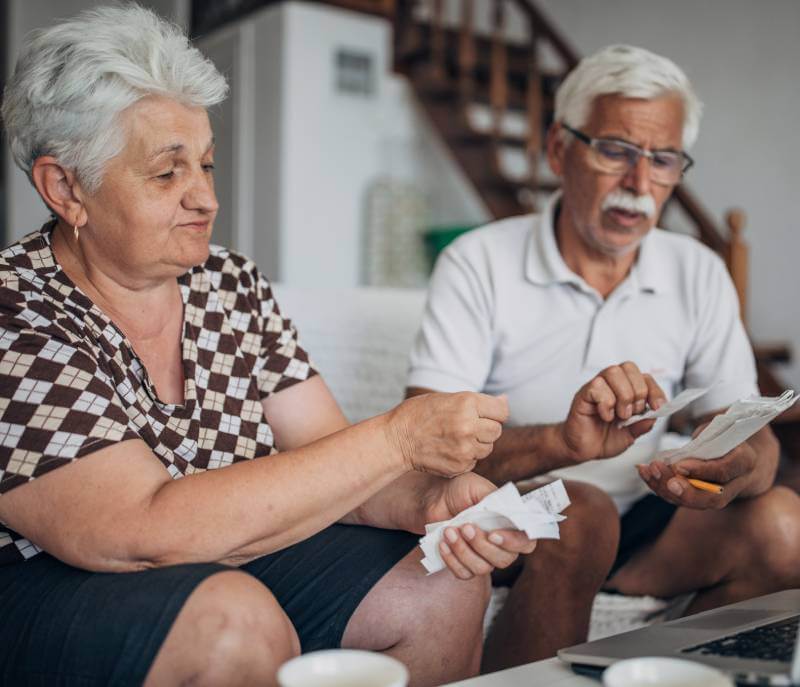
x: 535, y: 307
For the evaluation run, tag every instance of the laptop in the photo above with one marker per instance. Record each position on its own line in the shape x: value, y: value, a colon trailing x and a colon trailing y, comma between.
x: 755, y: 641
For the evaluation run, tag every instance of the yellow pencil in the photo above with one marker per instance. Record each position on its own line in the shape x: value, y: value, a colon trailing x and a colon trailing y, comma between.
x: 705, y: 486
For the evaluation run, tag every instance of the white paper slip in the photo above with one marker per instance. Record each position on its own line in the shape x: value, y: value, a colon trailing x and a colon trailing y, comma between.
x: 537, y: 514
x: 725, y: 432
x: 683, y: 399
x: 552, y: 496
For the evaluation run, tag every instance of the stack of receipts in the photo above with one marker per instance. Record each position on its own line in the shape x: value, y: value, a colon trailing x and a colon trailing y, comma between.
x: 725, y: 432
x: 536, y: 514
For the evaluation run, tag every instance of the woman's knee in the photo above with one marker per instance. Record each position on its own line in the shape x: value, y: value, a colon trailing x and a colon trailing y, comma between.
x: 230, y: 631
x: 456, y: 608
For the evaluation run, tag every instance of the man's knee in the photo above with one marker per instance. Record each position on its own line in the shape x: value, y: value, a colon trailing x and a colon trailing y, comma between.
x: 589, y: 537
x: 237, y: 632
x: 773, y: 535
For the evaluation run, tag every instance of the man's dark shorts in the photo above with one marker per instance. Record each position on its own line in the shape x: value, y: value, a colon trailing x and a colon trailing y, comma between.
x: 641, y: 525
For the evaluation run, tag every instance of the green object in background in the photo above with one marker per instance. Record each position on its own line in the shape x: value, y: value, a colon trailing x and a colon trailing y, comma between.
x: 437, y: 238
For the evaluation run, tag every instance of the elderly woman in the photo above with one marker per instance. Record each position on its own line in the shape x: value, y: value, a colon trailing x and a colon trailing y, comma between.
x: 176, y: 480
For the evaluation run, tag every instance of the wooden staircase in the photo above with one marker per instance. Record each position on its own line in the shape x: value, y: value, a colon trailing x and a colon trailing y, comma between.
x: 459, y: 71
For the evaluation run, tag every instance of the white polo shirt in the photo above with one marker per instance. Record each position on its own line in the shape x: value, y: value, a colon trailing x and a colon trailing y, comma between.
x: 505, y: 315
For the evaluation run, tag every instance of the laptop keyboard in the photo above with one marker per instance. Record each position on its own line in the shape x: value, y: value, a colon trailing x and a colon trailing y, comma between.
x: 773, y: 642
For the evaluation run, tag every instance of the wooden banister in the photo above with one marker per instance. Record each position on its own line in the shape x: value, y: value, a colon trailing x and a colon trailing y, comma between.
x: 706, y: 228
x: 737, y: 257
x: 547, y: 31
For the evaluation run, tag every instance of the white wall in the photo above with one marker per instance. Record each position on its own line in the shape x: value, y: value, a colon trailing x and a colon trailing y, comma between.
x: 335, y: 145
x: 743, y: 57
x: 319, y: 150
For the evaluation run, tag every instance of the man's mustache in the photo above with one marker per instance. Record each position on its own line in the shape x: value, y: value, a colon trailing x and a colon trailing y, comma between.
x: 624, y: 200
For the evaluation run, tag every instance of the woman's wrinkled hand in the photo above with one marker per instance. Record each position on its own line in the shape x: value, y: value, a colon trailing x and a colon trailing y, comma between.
x: 468, y: 550
x: 446, y: 434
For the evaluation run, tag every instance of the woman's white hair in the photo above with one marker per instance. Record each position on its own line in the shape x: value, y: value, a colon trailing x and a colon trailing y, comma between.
x: 631, y: 73
x: 72, y: 81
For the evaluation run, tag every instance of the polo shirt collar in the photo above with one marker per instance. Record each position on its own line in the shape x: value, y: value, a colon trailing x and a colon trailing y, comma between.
x: 545, y: 265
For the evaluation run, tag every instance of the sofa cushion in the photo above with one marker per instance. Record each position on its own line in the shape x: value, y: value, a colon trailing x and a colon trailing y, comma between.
x: 359, y: 339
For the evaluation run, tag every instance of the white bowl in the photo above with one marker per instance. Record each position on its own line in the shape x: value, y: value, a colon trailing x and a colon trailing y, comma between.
x: 343, y: 668
x: 663, y: 672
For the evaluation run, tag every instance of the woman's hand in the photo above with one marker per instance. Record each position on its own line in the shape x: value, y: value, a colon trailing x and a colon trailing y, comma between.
x: 468, y: 550
x: 446, y: 434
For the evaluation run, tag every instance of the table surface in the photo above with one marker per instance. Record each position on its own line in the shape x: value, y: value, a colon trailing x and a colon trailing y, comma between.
x: 548, y: 673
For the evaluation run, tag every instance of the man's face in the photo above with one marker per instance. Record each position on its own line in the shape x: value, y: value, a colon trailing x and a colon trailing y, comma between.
x: 588, y: 194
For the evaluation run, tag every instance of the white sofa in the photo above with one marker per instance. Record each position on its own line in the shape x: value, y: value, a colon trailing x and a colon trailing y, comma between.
x: 359, y: 338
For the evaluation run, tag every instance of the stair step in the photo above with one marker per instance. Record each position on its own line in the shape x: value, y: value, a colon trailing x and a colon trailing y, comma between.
x: 517, y: 57
x: 773, y: 353
x: 513, y: 125
x: 445, y: 90
x: 418, y: 59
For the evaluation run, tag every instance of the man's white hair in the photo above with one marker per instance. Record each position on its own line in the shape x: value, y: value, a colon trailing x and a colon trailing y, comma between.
x: 631, y: 73
x: 72, y: 81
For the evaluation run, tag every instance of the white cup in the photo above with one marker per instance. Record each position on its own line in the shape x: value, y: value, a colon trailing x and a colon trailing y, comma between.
x: 663, y: 672
x: 343, y: 668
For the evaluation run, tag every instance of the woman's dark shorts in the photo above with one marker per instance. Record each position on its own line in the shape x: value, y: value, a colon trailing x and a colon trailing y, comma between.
x: 64, y: 626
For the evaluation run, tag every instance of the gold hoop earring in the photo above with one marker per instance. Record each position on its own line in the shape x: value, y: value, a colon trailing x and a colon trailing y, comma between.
x: 77, y: 232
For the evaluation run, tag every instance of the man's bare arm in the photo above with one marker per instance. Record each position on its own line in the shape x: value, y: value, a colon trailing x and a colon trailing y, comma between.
x: 589, y: 432
x: 520, y: 452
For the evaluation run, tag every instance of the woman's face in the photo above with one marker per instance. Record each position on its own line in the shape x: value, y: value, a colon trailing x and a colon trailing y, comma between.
x: 153, y: 213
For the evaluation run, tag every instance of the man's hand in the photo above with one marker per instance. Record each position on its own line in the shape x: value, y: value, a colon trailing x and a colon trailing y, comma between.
x: 468, y: 550
x: 747, y: 470
x: 618, y: 392
x: 446, y: 434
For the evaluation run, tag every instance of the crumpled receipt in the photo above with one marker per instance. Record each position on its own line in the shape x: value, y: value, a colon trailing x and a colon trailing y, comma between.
x: 537, y: 513
x: 726, y: 431
x: 682, y: 400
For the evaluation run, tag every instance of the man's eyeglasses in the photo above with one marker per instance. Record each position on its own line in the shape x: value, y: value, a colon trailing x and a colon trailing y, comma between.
x: 613, y: 156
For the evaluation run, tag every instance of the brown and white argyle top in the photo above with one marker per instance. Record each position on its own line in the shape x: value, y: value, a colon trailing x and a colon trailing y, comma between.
x: 71, y: 383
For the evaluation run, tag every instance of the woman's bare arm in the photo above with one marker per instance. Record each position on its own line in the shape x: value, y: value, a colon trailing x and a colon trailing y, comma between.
x: 118, y: 509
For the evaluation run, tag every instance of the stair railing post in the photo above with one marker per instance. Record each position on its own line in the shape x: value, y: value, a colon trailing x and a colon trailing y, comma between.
x: 498, y: 84
x: 534, y: 106
x: 467, y: 57
x: 404, y: 33
x: 737, y: 258
x: 437, y: 42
